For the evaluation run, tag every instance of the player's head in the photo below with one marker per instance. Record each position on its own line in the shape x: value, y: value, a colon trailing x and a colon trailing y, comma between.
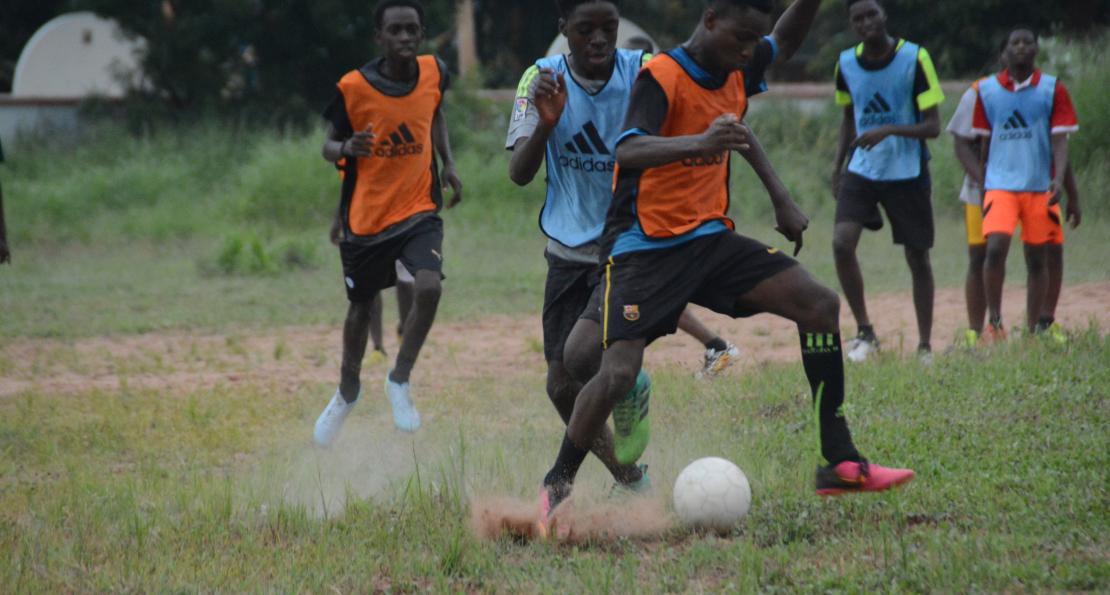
x: 399, y: 28
x: 640, y: 43
x: 732, y: 29
x: 867, y: 18
x: 591, y: 30
x: 1020, y: 48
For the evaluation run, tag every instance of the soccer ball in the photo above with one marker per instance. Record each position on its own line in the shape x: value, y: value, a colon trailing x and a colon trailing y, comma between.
x: 712, y: 494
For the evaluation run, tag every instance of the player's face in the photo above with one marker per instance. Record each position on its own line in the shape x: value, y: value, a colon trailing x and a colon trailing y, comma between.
x: 868, y: 20
x: 734, y: 34
x: 401, y: 34
x: 1021, y: 49
x: 591, y: 32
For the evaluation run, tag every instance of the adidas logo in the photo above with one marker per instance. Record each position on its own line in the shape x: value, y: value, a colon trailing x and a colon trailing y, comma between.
x: 1015, y: 128
x: 588, y: 142
x: 877, y: 112
x: 401, y: 143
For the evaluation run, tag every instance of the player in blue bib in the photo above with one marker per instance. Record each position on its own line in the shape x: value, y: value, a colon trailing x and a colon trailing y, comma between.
x: 890, y: 93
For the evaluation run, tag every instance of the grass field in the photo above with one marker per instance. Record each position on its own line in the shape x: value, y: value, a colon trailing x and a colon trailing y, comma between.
x: 169, y: 323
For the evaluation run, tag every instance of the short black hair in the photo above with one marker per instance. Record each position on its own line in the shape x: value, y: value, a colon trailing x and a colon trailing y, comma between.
x: 764, y: 6
x: 384, y: 5
x: 566, y: 7
x: 851, y: 2
x: 1015, y: 29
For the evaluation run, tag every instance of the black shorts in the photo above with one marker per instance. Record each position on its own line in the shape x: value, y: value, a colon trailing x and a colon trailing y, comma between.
x: 642, y: 294
x: 565, y: 296
x: 908, y: 205
x: 368, y: 269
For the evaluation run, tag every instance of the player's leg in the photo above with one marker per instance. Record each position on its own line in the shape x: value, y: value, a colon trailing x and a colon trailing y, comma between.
x: 909, y: 207
x: 356, y: 332
x: 974, y: 290
x: 1001, y: 214
x: 1036, y: 288
x: 857, y: 207
x: 718, y: 352
x: 1055, y: 264
x: 796, y: 294
x: 620, y: 365
x: 378, y: 354
x: 427, y: 290
x: 404, y: 298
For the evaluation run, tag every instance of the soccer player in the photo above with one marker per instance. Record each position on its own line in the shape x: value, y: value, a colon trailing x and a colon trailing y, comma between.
x: 668, y: 242
x: 1026, y: 116
x: 890, y: 93
x: 970, y: 151
x: 5, y: 253
x: 386, y: 121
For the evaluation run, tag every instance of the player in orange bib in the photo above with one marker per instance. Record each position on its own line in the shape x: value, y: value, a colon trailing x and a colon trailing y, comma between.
x: 387, y: 126
x: 668, y: 242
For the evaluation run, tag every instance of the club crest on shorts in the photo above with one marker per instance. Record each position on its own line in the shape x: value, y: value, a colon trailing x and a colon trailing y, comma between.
x: 632, y: 313
x: 350, y: 282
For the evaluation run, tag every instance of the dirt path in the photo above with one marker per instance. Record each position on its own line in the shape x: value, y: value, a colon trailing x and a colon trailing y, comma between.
x: 508, y: 346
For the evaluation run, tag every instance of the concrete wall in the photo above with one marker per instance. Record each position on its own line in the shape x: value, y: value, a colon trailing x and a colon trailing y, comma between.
x: 21, y: 115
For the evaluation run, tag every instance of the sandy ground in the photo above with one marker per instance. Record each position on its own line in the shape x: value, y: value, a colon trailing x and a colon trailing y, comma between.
x: 289, y: 358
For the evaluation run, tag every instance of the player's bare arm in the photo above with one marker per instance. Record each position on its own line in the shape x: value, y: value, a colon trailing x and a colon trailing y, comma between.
x: 967, y: 152
x: 1073, y: 212
x: 726, y: 133
x: 528, y: 152
x: 442, y: 142
x: 359, y: 144
x: 793, y: 27
x: 790, y: 220
x: 927, y: 128
x: 843, y: 146
x: 1061, y: 163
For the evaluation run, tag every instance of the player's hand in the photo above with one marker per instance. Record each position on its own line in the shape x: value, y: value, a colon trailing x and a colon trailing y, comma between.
x: 361, y: 144
x: 450, y: 177
x: 551, y: 96
x: 869, y: 139
x: 836, y: 175
x: 1073, y: 213
x: 725, y: 134
x: 336, y: 230
x: 1056, y: 192
x: 792, y: 221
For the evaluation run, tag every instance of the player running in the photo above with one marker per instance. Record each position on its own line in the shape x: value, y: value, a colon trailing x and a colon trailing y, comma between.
x: 386, y: 121
x: 1026, y: 116
x: 667, y: 239
x: 890, y: 93
x: 970, y: 150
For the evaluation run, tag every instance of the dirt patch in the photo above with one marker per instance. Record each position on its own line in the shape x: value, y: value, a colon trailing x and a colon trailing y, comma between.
x: 287, y: 359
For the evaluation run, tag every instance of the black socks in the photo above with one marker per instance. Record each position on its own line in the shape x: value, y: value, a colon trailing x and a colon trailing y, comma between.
x: 562, y: 475
x: 717, y: 344
x: 824, y: 366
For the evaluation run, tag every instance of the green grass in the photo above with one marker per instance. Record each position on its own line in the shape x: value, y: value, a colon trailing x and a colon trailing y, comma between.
x: 219, y: 490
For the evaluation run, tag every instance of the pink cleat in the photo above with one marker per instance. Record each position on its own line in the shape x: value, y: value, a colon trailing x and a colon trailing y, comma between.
x: 849, y: 477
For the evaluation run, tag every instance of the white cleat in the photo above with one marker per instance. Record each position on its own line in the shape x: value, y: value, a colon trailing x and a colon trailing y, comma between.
x: 405, y: 416
x: 331, y: 420
x: 862, y: 351
x: 716, y: 361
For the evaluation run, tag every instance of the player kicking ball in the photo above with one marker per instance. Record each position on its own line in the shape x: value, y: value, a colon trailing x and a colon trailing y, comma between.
x: 1026, y: 116
x: 667, y: 242
x: 386, y: 122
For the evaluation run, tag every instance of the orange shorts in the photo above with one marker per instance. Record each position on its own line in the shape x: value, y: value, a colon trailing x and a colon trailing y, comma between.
x: 1040, y: 223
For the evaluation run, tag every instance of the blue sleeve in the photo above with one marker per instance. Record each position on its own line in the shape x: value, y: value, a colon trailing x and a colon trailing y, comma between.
x: 755, y: 75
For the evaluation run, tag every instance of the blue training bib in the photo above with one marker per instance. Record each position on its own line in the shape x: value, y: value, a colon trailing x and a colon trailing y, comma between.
x: 580, y: 152
x: 880, y: 98
x: 1021, y: 135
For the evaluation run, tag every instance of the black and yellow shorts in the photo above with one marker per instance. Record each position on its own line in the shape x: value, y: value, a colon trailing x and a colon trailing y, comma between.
x: 642, y: 294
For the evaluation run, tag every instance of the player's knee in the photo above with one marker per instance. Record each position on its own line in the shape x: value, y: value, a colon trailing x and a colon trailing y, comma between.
x: 621, y: 379
x: 826, y: 305
x: 843, y: 248
x: 427, y: 291
x: 918, y: 261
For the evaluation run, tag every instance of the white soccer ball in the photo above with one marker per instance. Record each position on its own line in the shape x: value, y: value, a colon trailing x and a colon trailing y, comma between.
x: 712, y: 494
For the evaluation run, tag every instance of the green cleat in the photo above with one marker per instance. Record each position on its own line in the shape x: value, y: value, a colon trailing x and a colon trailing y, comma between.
x: 631, y: 426
x: 636, y: 489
